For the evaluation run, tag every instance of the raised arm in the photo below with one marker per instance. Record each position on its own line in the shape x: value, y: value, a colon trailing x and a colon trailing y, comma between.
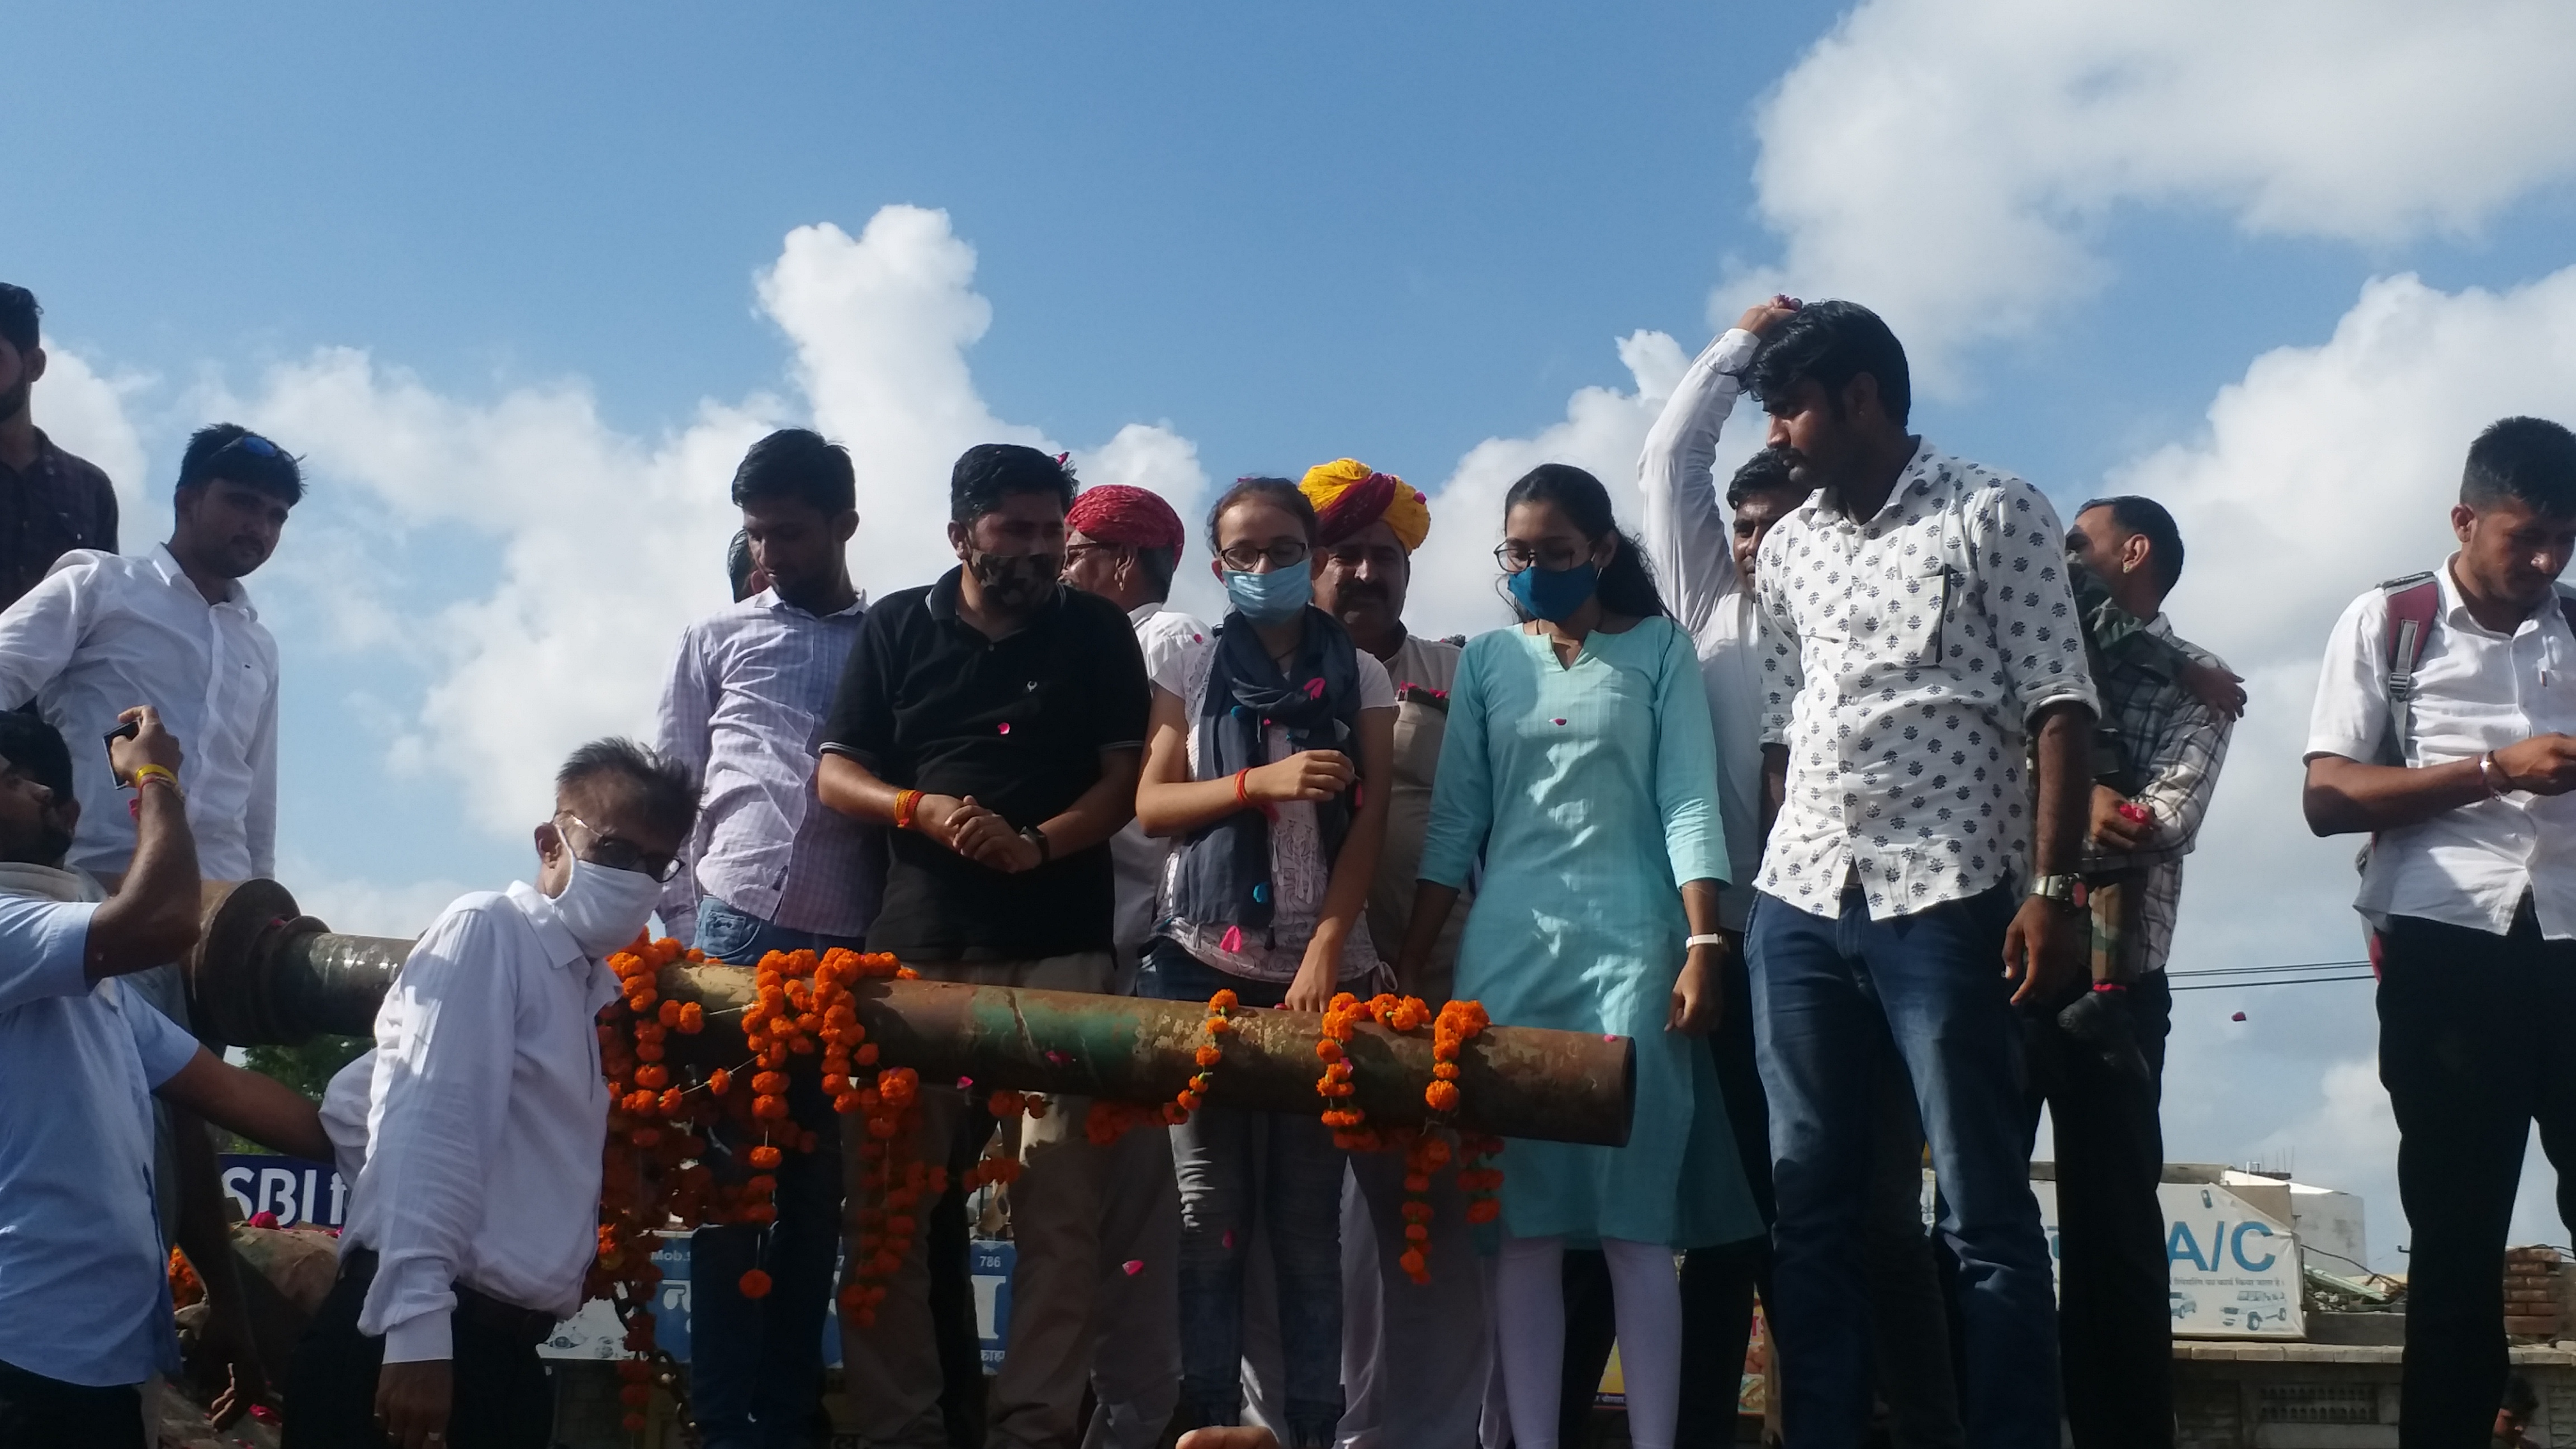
x: 1683, y: 525
x: 154, y: 916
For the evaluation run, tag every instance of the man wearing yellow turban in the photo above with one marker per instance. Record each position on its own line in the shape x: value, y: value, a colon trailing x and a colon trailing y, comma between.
x: 1415, y: 1357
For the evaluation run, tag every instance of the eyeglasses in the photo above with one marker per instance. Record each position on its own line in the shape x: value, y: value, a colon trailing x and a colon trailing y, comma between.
x: 1555, y: 558
x: 620, y: 854
x: 1243, y: 558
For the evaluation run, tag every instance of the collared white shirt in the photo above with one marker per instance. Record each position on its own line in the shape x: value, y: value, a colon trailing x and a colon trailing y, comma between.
x: 749, y: 691
x: 1689, y: 542
x: 1162, y: 633
x: 2475, y: 690
x: 482, y: 1115
x: 105, y: 632
x: 1908, y: 653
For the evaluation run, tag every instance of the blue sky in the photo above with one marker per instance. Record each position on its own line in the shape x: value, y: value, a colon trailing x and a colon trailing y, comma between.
x: 499, y: 272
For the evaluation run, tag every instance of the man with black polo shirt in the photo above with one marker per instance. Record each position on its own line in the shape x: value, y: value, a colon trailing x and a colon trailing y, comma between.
x: 996, y: 720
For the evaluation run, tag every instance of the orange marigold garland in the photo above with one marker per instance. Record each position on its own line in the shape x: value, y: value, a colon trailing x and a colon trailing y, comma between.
x: 1109, y: 1121
x: 650, y: 1175
x: 1439, y: 1141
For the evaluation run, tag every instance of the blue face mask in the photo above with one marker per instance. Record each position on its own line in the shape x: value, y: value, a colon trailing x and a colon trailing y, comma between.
x: 1554, y: 594
x: 1272, y: 598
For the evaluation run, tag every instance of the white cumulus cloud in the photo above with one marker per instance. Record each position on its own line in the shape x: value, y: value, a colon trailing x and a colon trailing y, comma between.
x: 2325, y: 470
x: 1953, y: 163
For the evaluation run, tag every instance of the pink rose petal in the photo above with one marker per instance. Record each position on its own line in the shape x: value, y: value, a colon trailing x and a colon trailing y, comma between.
x: 1556, y: 721
x: 1132, y: 1267
x: 2240, y: 1016
x: 964, y: 1082
x: 1229, y: 1238
x: 1232, y: 940
x: 1006, y: 726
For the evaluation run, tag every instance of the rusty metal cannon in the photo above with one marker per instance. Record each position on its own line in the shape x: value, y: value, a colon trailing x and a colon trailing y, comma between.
x: 266, y: 973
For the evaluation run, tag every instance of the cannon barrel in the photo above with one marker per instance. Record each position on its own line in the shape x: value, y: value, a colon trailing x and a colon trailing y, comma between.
x: 264, y: 973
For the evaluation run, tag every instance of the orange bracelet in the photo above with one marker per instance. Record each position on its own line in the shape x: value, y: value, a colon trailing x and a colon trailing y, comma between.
x: 905, y: 802
x: 1243, y: 797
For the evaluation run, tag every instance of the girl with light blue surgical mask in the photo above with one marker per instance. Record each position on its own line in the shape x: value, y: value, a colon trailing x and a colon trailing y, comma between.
x: 1269, y: 760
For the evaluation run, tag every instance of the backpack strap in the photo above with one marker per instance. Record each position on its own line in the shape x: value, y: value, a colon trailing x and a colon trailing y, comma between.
x: 2413, y: 602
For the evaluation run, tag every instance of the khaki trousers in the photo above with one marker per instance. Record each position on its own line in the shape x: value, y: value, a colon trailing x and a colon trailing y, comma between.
x: 892, y: 1367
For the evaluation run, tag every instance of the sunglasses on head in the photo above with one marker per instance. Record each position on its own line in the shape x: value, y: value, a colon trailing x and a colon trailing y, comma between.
x: 253, y: 444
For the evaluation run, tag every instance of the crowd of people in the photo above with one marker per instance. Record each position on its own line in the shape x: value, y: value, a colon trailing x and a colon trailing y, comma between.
x: 1852, y: 789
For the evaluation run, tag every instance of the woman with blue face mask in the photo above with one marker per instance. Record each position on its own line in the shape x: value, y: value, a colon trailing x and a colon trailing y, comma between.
x: 1268, y: 760
x: 1580, y: 768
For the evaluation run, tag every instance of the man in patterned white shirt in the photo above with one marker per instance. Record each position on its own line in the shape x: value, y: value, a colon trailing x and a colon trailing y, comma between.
x: 1924, y: 633
x: 769, y: 869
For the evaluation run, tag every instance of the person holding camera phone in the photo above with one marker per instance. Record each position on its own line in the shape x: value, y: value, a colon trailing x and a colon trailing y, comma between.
x: 85, y: 1311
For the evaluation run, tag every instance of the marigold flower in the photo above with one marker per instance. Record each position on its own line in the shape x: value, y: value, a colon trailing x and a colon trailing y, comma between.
x: 720, y: 1081
x: 1484, y: 1210
x: 754, y: 1284
x: 1441, y: 1096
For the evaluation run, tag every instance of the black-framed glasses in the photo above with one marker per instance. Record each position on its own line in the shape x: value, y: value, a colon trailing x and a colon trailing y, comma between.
x: 618, y: 853
x: 1555, y: 558
x: 1243, y: 558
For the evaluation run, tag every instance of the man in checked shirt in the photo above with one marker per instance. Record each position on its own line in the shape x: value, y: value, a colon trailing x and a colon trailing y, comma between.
x: 1921, y: 631
x: 769, y: 869
x: 2171, y: 705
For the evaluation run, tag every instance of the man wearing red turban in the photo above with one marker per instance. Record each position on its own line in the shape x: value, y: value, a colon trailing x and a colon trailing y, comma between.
x: 1124, y: 544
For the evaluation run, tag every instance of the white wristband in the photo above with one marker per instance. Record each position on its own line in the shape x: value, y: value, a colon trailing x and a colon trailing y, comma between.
x: 1695, y: 942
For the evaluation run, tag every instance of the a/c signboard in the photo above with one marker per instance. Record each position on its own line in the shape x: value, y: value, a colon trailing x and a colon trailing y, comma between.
x: 2235, y: 1268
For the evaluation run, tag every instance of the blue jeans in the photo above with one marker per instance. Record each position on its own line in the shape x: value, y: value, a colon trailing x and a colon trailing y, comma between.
x: 1827, y: 992
x: 1235, y: 1166
x: 756, y: 1365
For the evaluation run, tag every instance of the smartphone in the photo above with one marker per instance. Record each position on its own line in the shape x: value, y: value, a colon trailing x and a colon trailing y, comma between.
x: 125, y: 731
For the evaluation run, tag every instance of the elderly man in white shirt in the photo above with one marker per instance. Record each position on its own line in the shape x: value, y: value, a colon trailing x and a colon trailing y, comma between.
x: 1124, y: 544
x: 2462, y: 775
x: 1926, y: 648
x: 482, y: 1115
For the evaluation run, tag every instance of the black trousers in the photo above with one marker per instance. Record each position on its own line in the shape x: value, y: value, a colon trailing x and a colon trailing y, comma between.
x: 2115, y: 1316
x: 41, y: 1413
x: 503, y: 1398
x: 2472, y: 1029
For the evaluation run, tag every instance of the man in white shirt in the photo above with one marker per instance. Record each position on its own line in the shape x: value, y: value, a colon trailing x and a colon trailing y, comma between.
x: 84, y: 1291
x: 2463, y: 781
x: 482, y: 1115
x: 1416, y: 1357
x: 1923, y: 634
x: 1705, y: 556
x: 1124, y: 544
x: 771, y: 870
x: 173, y: 629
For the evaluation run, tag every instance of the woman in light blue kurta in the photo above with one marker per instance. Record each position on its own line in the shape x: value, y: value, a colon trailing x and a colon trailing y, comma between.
x: 1579, y: 765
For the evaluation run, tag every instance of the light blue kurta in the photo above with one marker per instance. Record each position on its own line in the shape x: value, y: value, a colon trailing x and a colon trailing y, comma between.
x: 1590, y: 791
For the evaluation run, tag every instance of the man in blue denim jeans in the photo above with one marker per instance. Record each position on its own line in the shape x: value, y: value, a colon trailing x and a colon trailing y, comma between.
x: 1921, y: 633
x: 771, y: 870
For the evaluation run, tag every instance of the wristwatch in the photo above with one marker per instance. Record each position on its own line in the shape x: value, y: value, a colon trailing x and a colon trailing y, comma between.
x: 2065, y: 890
x: 1037, y: 837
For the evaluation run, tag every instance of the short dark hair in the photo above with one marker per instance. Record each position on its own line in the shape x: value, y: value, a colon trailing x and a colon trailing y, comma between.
x: 1158, y: 565
x: 797, y: 464
x: 1832, y: 342
x: 738, y: 564
x: 1279, y: 493
x: 36, y: 749
x: 1767, y: 471
x: 989, y: 472
x: 236, y: 454
x: 2530, y: 460
x: 2141, y: 515
x: 665, y: 791
x: 18, y: 314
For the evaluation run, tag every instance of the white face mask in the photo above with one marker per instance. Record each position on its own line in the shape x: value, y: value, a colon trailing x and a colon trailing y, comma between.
x: 602, y: 907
